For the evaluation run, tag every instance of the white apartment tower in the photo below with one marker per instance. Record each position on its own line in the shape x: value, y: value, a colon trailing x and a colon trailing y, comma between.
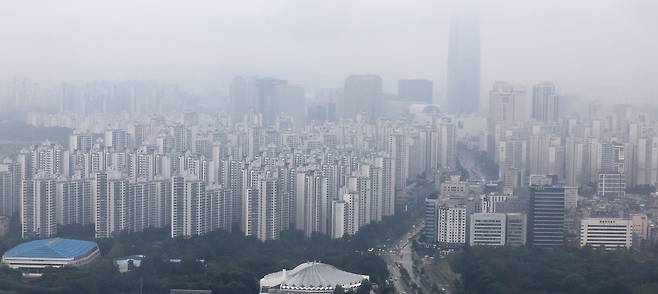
x: 38, y: 207
x: 452, y: 224
x: 188, y: 207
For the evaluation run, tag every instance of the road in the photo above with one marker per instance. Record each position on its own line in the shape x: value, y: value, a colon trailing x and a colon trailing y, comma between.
x: 400, y: 254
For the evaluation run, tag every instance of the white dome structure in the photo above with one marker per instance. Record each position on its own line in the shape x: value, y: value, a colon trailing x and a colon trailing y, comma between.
x: 310, y: 277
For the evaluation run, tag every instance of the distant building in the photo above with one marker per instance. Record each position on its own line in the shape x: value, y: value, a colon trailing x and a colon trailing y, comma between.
x: 454, y: 187
x: 488, y: 202
x: 546, y: 216
x: 4, y: 225
x: 516, y: 229
x: 416, y: 90
x: 33, y: 256
x: 612, y: 185
x: 430, y: 220
x: 128, y: 263
x: 609, y: 233
x: 570, y: 197
x: 487, y: 229
x: 463, y: 85
x: 310, y: 277
x: 545, y: 103
x: 640, y: 226
x: 362, y: 93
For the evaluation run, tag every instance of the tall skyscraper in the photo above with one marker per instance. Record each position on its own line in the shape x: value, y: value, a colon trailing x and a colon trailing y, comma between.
x: 463, y: 87
x: 545, y: 103
x: 362, y: 93
x: 416, y: 90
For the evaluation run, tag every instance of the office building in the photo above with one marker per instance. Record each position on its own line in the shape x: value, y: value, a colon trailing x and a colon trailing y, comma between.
x: 488, y: 202
x: 516, y: 229
x: 607, y: 233
x: 612, y: 186
x: 487, y: 229
x: 640, y: 222
x: 546, y: 216
x: 430, y: 220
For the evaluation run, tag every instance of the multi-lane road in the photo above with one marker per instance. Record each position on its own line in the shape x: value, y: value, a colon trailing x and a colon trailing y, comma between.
x: 399, y: 253
x: 399, y: 256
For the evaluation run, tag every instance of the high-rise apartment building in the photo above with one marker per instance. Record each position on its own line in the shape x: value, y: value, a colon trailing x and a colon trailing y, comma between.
x: 452, y: 225
x: 545, y: 103
x: 39, y: 207
x: 75, y: 202
x: 189, y: 207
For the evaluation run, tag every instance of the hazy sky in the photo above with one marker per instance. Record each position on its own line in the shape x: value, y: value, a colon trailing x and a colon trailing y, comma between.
x: 582, y: 45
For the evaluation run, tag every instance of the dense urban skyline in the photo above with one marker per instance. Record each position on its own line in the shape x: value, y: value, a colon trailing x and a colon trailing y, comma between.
x: 378, y: 147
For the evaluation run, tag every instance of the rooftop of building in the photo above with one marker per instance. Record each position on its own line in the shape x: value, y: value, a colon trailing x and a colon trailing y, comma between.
x: 56, y: 248
x: 313, y: 275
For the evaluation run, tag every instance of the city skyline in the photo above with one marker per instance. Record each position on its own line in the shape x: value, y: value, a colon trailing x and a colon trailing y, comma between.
x: 370, y: 146
x: 404, y: 41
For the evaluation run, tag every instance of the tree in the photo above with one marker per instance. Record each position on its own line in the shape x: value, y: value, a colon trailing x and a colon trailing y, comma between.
x: 364, y: 288
x: 339, y: 290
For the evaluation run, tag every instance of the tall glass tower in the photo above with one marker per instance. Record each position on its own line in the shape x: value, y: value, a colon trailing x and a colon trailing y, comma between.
x: 463, y: 88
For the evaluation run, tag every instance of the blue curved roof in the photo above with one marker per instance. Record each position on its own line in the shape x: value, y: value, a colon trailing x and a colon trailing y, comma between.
x: 56, y: 248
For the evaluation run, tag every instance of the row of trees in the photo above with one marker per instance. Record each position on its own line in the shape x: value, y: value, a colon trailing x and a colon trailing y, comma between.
x: 221, y: 261
x: 521, y: 270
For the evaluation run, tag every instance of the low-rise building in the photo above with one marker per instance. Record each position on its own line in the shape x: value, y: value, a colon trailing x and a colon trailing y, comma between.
x: 609, y: 233
x: 310, y: 277
x: 128, y: 263
x: 487, y: 229
x: 33, y: 256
